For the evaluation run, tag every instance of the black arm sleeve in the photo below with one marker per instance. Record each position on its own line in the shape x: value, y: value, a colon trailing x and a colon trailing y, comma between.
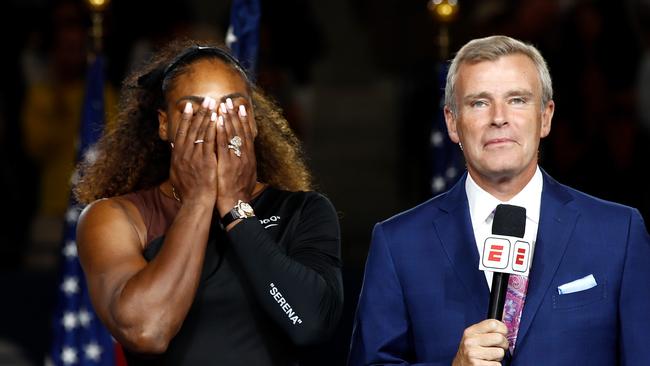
x: 299, y: 287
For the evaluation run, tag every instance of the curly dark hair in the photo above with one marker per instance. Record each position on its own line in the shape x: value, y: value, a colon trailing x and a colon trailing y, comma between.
x: 130, y: 155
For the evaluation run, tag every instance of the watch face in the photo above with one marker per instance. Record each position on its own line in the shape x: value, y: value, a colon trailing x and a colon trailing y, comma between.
x: 247, y: 208
x: 244, y: 209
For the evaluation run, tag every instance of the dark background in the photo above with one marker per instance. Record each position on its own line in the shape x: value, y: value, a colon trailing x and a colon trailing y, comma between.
x: 357, y: 82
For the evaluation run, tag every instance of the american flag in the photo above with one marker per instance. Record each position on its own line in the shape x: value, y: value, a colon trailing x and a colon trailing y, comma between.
x: 243, y: 34
x: 446, y: 156
x: 79, y: 337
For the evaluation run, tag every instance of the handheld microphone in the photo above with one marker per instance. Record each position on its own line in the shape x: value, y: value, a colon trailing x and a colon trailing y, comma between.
x: 505, y: 253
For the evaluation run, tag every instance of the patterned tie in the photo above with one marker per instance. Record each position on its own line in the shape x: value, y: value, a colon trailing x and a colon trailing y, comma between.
x: 515, y: 298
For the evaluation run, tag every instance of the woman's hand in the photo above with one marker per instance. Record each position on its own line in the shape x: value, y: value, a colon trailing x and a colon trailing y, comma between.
x: 236, y: 173
x: 193, y: 171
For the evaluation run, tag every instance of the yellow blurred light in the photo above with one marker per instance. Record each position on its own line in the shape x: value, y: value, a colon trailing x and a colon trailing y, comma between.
x: 443, y: 10
x: 98, y: 4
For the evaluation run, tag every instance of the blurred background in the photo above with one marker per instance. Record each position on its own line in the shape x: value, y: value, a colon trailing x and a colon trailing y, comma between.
x: 358, y: 80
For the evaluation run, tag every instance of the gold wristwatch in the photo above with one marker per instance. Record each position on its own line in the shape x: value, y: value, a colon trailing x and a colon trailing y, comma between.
x: 242, y: 210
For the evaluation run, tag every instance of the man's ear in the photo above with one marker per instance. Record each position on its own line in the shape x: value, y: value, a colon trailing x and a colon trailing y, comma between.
x: 547, y: 117
x: 450, y: 120
x: 163, y: 125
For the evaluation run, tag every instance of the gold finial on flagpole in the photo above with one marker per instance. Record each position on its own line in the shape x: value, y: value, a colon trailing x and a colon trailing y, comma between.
x: 97, y: 32
x: 98, y: 5
x: 445, y: 11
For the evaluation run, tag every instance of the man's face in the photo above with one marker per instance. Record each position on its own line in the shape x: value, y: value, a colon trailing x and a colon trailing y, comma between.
x: 500, y: 119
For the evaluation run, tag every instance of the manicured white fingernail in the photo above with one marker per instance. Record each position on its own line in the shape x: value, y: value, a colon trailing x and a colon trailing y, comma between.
x: 223, y: 108
x: 212, y: 105
x: 172, y: 144
x: 188, y: 108
x: 213, y: 116
x: 206, y: 102
x: 242, y: 110
x: 220, y: 121
x: 229, y: 103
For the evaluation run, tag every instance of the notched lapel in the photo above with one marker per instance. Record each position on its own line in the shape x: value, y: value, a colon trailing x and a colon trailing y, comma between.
x: 557, y: 222
x: 454, y: 229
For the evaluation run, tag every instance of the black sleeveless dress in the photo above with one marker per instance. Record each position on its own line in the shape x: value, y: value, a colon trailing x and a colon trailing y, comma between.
x: 270, y: 285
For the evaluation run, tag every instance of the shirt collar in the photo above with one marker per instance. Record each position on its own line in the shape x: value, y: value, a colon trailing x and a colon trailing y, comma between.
x: 482, y: 203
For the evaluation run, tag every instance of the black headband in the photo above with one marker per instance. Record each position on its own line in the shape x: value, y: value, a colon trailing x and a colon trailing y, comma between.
x: 159, y: 75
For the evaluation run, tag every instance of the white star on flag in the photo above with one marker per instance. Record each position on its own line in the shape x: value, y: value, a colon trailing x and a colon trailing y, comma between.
x: 446, y: 157
x: 230, y: 37
x: 437, y: 139
x: 91, y: 155
x: 69, y: 321
x: 70, y: 249
x: 84, y: 317
x: 438, y: 184
x: 74, y: 178
x: 69, y: 355
x: 451, y: 172
x: 93, y: 351
x: 72, y: 214
x: 70, y: 285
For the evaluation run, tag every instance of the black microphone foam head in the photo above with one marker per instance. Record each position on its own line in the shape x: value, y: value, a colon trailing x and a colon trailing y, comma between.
x: 509, y: 220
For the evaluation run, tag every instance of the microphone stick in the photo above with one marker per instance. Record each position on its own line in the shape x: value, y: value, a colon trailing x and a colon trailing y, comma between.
x: 498, y: 295
x: 511, y: 221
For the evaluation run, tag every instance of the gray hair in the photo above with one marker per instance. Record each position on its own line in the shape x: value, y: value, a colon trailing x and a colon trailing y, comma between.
x: 491, y: 49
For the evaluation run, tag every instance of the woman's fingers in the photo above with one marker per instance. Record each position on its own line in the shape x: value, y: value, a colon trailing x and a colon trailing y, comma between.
x: 234, y: 119
x: 252, y: 122
x: 196, y: 121
x: 210, y: 135
x: 183, y: 126
x: 221, y: 140
x: 201, y: 134
x: 244, y: 121
x: 238, y: 123
x: 194, y: 163
x: 229, y: 129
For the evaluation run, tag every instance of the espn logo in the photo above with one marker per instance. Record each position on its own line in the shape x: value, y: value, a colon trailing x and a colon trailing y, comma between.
x: 506, y: 254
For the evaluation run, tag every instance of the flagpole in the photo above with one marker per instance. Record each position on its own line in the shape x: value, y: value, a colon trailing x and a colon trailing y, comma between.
x: 446, y: 160
x: 445, y: 12
x: 98, y: 7
x: 79, y: 337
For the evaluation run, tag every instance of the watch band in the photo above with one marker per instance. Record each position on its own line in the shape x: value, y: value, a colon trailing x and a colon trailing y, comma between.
x: 228, y: 218
x: 242, y: 210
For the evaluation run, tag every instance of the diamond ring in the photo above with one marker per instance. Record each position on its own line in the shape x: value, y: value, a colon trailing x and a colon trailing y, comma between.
x: 235, y: 149
x: 236, y: 141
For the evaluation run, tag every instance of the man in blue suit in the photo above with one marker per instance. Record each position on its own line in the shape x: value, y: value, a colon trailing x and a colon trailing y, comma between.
x: 424, y: 300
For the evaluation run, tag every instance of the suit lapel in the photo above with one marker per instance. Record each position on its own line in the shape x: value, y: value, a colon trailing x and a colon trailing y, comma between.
x: 556, y: 223
x: 454, y: 228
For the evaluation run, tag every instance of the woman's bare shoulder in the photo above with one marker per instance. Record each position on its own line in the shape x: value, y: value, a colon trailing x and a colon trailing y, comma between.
x: 111, y: 216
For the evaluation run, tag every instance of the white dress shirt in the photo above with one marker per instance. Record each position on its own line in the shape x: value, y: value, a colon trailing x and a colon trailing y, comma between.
x: 482, y: 205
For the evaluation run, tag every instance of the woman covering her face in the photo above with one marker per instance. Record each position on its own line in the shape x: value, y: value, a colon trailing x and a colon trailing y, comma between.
x: 203, y: 242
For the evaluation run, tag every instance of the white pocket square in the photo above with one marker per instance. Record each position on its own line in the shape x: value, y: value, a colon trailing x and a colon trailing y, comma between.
x: 581, y: 284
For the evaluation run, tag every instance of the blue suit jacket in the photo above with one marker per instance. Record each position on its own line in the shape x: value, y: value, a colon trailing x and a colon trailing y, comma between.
x: 422, y: 286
